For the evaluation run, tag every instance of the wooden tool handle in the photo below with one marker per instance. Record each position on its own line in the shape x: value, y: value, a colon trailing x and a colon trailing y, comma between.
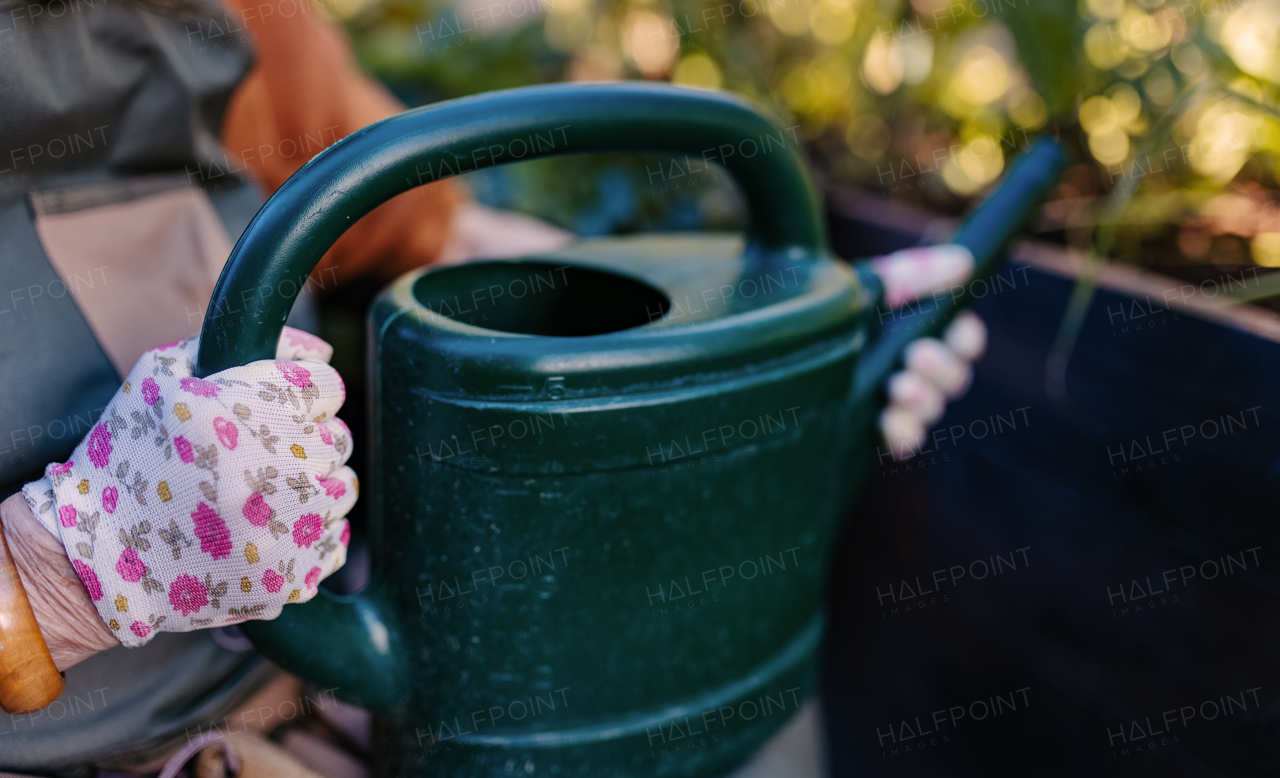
x: 29, y: 680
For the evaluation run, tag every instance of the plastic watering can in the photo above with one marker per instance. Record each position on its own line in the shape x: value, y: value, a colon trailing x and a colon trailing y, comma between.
x: 604, y: 481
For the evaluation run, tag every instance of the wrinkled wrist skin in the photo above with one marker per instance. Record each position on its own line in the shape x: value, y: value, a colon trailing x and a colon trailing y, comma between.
x: 70, y: 623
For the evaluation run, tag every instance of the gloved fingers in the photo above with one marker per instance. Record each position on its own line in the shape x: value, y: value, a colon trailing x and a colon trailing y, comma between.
x: 933, y: 360
x: 295, y: 345
x: 178, y: 358
x: 903, y: 432
x: 918, y: 272
x: 283, y: 408
x: 916, y: 395
x: 342, y: 488
x: 967, y: 336
x: 323, y: 528
x: 312, y: 513
x: 313, y: 380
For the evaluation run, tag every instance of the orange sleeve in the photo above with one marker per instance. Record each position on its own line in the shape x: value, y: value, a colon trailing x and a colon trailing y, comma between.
x: 305, y: 92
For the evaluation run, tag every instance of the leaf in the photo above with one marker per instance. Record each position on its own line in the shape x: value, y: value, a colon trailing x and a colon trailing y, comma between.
x: 261, y: 483
x: 175, y: 538
x: 206, y: 456
x: 139, y: 488
x: 247, y: 611
x: 1046, y: 35
x: 85, y: 550
x: 241, y: 410
x: 209, y: 492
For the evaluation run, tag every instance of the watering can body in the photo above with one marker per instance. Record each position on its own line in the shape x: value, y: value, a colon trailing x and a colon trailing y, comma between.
x: 604, y: 481
x: 623, y: 534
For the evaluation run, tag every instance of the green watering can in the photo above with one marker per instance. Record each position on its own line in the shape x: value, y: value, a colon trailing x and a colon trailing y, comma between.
x: 604, y: 481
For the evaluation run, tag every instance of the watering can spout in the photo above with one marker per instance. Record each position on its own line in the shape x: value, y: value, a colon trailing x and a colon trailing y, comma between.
x: 345, y: 642
x: 985, y: 233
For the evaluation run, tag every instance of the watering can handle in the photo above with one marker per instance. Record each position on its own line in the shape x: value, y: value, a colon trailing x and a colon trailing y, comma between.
x: 985, y: 233
x: 293, y: 230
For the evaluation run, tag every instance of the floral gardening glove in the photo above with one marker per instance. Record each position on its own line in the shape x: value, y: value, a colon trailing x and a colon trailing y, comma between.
x: 937, y: 370
x: 198, y: 503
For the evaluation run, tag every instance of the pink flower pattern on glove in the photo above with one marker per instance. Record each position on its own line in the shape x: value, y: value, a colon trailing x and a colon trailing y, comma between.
x: 198, y: 502
x: 150, y: 391
x: 308, y: 530
x: 199, y: 387
x: 272, y: 580
x: 215, y: 538
x: 256, y: 511
x: 227, y: 433
x: 295, y: 374
x: 89, y: 579
x: 187, y: 595
x: 99, y: 446
x: 130, y: 567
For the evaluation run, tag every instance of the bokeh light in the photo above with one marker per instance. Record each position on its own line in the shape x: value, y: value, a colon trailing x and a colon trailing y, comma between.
x: 697, y: 70
x: 882, y: 67
x: 650, y: 43
x: 978, y: 164
x: 832, y: 21
x: 1251, y: 37
x: 1265, y: 248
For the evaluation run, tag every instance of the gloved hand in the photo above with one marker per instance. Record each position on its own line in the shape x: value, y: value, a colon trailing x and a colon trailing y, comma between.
x: 197, y: 503
x: 936, y: 370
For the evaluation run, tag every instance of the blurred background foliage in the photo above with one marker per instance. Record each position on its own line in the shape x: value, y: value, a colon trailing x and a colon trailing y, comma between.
x: 1166, y: 105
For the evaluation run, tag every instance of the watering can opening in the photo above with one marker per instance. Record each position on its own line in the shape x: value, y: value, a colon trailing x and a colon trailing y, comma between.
x: 549, y: 299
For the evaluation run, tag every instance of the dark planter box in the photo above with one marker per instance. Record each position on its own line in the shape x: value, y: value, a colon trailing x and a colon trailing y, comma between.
x: 1089, y: 587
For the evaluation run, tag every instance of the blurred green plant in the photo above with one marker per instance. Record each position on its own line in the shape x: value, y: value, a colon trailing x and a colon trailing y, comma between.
x: 924, y: 100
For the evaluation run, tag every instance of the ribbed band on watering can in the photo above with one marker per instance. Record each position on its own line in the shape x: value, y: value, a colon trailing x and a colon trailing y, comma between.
x: 326, y: 196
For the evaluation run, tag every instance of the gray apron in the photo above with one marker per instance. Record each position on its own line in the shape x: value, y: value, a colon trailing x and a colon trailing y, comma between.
x: 103, y: 103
